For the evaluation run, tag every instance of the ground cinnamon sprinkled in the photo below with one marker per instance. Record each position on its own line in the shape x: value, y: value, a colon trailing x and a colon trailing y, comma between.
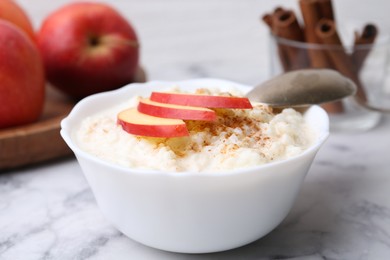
x: 237, y: 138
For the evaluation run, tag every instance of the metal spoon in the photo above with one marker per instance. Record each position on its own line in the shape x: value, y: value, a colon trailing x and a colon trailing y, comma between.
x: 302, y: 88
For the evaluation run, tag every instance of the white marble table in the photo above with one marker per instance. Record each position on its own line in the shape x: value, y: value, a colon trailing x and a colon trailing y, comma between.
x: 343, y: 211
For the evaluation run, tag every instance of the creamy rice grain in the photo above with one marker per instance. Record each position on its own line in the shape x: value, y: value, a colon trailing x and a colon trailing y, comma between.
x: 237, y: 139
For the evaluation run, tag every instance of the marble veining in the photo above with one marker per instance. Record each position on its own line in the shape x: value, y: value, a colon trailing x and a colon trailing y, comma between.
x: 342, y: 211
x: 48, y: 211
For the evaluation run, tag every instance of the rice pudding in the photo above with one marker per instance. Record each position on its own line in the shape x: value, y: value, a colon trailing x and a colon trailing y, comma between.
x: 237, y: 138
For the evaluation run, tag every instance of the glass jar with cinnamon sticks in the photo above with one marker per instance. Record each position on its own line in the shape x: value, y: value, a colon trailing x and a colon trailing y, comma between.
x: 316, y: 42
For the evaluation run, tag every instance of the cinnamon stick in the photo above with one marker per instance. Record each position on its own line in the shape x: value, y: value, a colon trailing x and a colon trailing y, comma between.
x: 363, y: 44
x: 267, y: 18
x: 285, y: 25
x: 327, y: 33
x: 326, y: 9
x: 282, y: 51
x: 311, y: 14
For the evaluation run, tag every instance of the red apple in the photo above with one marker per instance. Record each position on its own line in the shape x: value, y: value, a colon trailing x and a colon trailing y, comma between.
x: 12, y: 12
x: 201, y: 100
x: 22, y: 77
x: 88, y: 48
x: 136, y: 123
x: 157, y: 109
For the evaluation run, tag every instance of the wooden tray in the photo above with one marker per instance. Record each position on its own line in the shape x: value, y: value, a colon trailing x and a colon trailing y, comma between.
x: 40, y: 141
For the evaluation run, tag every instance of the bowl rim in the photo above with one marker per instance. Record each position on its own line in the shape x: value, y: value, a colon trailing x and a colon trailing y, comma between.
x: 66, y: 133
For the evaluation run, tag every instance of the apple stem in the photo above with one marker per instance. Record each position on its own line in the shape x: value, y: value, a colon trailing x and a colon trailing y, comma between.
x: 94, y: 41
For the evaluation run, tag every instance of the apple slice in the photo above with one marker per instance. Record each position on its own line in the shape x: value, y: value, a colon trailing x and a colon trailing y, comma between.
x: 164, y: 110
x: 136, y: 123
x: 201, y: 100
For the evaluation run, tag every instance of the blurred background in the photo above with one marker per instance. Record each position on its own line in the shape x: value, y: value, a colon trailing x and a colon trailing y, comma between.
x: 208, y: 38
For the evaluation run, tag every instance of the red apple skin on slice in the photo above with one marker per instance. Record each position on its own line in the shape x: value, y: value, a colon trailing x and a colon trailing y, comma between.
x: 136, y: 123
x: 201, y: 100
x: 152, y: 108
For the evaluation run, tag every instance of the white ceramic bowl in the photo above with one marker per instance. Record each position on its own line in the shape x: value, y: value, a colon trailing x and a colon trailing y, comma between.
x: 191, y: 212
